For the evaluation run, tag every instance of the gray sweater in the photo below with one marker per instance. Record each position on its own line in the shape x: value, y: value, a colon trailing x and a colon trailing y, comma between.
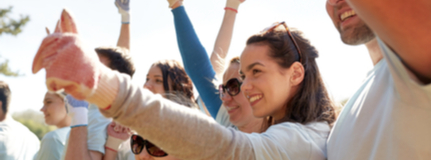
x: 188, y: 134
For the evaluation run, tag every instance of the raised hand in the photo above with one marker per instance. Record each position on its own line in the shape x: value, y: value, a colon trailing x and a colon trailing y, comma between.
x: 173, y: 2
x: 123, y: 9
x: 64, y: 59
x: 117, y: 134
x: 233, y: 4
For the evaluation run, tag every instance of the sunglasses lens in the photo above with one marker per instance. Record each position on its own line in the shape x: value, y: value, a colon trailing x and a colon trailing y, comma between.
x: 233, y: 87
x: 155, y: 151
x: 137, y: 144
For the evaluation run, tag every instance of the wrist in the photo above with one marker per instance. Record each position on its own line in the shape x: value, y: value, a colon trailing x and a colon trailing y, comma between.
x: 125, y: 18
x: 231, y: 9
x: 113, y: 143
x: 79, y: 117
x: 106, y: 90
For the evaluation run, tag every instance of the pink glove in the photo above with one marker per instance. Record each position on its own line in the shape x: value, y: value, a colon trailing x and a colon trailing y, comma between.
x: 117, y: 134
x: 71, y: 67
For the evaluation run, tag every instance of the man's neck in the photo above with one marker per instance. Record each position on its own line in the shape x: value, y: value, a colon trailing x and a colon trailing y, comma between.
x: 374, y: 51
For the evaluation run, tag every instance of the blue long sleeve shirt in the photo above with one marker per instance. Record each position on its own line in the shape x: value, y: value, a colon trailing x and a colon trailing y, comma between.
x: 196, y: 61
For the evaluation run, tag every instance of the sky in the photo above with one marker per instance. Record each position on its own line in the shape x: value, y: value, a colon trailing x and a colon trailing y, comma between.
x: 153, y: 38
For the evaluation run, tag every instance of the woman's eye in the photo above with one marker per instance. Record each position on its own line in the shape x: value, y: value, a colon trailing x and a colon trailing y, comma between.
x: 255, y: 71
x: 159, y: 81
x: 147, y: 79
x: 242, y: 77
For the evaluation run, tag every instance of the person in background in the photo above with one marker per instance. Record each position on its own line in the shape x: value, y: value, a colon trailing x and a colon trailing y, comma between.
x: 232, y: 109
x: 54, y: 110
x: 89, y: 141
x: 391, y: 111
x: 16, y: 140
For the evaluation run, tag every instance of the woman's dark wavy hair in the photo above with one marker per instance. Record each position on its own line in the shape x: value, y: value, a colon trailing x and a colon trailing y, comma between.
x: 312, y: 101
x: 173, y: 71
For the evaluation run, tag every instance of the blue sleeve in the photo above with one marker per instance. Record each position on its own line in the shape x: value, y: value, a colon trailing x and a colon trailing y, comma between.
x: 196, y: 61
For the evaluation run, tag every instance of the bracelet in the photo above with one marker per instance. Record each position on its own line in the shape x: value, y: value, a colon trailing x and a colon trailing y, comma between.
x: 232, y: 9
x: 110, y: 149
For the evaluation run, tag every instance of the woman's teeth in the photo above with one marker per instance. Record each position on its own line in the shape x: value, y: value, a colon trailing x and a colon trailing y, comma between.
x: 254, y: 98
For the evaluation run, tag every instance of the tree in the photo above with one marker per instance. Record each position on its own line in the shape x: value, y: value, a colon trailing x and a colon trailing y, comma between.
x: 10, y: 26
x: 34, y: 121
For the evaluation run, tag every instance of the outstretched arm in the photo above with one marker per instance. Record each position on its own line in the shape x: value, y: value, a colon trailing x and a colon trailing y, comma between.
x: 224, y: 37
x: 404, y: 26
x: 195, y: 60
x: 124, y: 38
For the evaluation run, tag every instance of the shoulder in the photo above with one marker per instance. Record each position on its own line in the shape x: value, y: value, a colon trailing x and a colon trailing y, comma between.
x: 57, y: 135
x: 291, y: 141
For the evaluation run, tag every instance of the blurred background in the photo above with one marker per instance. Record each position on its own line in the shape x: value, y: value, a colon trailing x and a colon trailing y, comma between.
x: 23, y: 22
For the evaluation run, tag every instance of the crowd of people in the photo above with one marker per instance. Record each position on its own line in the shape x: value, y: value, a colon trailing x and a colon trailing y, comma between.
x: 269, y: 103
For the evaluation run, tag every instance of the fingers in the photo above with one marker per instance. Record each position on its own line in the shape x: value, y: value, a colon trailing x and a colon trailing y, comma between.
x: 67, y: 23
x: 41, y: 53
x: 57, y: 27
x: 47, y: 30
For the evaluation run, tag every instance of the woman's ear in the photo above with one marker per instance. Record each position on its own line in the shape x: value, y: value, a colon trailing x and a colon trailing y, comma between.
x: 297, y: 74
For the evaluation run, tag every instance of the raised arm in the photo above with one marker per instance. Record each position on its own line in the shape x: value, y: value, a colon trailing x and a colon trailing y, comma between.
x: 405, y: 26
x: 224, y: 37
x: 123, y: 9
x: 196, y: 61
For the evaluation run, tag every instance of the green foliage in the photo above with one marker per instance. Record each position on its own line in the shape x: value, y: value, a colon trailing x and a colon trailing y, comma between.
x: 9, y: 25
x: 5, y: 70
x: 34, y: 121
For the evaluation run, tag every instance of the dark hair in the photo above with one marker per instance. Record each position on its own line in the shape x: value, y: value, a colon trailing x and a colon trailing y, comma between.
x: 119, y: 57
x: 5, y: 96
x: 311, y: 102
x: 173, y: 71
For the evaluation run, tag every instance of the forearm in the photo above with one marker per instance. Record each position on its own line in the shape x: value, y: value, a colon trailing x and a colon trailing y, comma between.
x: 196, y: 61
x: 110, y: 155
x: 77, y: 145
x: 197, y: 136
x: 223, y: 42
x: 124, y: 38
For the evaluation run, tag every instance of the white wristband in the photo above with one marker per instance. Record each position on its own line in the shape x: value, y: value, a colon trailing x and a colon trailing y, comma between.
x: 113, y: 143
x: 125, y: 17
x: 79, y: 116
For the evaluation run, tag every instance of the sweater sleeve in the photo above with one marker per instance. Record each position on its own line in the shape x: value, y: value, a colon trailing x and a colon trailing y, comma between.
x: 182, y: 132
x: 196, y: 61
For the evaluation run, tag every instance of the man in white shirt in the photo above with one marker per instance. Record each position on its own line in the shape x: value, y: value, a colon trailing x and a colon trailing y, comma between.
x: 16, y: 140
x: 389, y: 116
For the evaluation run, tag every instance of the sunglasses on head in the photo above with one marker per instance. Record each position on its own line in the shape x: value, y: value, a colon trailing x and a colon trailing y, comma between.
x: 138, y: 143
x: 277, y: 24
x: 232, y: 87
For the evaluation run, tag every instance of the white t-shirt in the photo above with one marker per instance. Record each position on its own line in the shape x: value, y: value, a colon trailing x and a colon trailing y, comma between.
x: 291, y: 141
x: 53, y: 144
x: 387, y: 118
x: 97, y: 132
x: 17, y: 141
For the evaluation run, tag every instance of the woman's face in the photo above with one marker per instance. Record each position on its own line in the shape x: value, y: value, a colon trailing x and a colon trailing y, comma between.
x: 54, y: 109
x: 154, y: 81
x: 266, y: 85
x: 238, y: 106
